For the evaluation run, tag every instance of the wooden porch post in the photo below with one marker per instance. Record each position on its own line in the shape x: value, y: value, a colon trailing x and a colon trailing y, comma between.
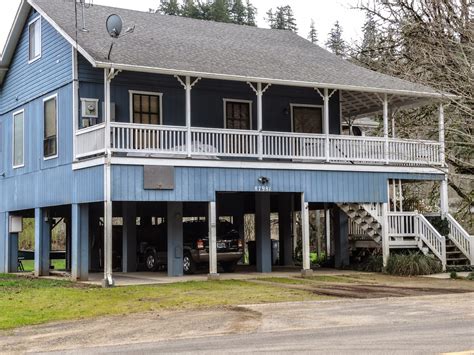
x: 385, y: 236
x: 444, y: 202
x: 260, y: 120
x: 212, y: 220
x: 188, y: 88
x: 305, y: 237
x: 108, y: 278
x: 385, y: 128
x: 326, y: 123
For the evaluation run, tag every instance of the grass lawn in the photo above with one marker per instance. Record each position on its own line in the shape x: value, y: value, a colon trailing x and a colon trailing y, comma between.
x: 29, y: 265
x: 28, y: 301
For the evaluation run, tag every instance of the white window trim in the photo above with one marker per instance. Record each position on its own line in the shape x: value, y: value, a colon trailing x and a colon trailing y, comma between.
x: 132, y: 92
x: 55, y: 96
x: 292, y: 106
x: 250, y: 102
x: 40, y: 41
x: 22, y: 165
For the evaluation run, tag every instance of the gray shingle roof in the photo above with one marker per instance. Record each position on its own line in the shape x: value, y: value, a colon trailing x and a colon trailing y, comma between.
x: 212, y: 49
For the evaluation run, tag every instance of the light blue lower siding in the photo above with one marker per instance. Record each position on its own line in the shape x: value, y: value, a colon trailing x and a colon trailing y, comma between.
x: 201, y: 184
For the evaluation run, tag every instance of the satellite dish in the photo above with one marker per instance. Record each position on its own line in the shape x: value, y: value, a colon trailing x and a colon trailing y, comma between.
x: 114, y: 25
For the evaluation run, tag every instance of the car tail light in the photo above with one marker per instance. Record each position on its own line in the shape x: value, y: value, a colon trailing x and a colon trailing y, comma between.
x: 200, y: 244
x: 240, y: 243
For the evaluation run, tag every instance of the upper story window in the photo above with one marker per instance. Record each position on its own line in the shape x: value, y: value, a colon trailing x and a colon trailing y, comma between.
x: 237, y: 114
x: 18, y: 139
x: 307, y: 118
x: 34, y: 32
x: 50, y: 142
x: 146, y: 107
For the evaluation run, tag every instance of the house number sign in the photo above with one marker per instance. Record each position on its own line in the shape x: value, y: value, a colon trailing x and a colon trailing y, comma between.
x: 263, y: 184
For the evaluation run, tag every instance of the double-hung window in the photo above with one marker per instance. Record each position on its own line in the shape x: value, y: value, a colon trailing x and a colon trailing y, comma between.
x: 50, y: 141
x: 34, y: 33
x: 18, y: 139
x: 145, y: 107
x: 237, y: 114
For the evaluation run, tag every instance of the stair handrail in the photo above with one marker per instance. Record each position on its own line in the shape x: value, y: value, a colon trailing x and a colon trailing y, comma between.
x: 461, y: 238
x: 432, y: 238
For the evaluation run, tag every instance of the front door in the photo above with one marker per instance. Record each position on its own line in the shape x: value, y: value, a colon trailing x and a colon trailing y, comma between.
x: 307, y: 119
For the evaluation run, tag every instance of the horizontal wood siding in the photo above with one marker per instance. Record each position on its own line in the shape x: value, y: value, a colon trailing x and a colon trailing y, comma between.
x: 34, y: 132
x: 25, y: 81
x: 52, y: 187
x: 201, y: 184
x: 207, y: 98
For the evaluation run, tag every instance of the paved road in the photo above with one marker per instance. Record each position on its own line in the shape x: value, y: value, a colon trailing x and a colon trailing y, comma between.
x: 424, y: 325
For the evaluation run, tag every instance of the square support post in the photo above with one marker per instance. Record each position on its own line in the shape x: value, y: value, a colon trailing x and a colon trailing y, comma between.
x: 129, y: 237
x: 385, y: 128
x: 327, y: 231
x: 12, y: 251
x: 341, y: 239
x: 262, y: 232
x: 188, y: 88
x: 212, y: 220
x: 385, y: 235
x: 284, y: 230
x: 260, y: 120
x: 175, y: 238
x: 444, y: 201
x: 305, y: 241
x: 3, y: 242
x: 326, y: 123
x: 42, y: 242
x: 80, y: 242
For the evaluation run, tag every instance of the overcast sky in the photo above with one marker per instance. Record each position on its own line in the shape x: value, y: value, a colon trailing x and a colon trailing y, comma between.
x: 324, y: 13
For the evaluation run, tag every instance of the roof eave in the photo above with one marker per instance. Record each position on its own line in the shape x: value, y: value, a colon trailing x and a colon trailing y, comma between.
x: 157, y: 70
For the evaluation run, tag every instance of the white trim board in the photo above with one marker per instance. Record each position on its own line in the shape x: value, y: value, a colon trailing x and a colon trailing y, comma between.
x: 257, y: 165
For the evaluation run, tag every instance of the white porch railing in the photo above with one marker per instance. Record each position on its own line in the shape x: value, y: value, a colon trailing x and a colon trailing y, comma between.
x: 461, y: 238
x: 406, y: 224
x: 90, y: 141
x: 222, y: 143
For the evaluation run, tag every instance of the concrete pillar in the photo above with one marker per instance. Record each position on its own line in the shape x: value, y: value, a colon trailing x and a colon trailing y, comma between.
x: 42, y: 242
x: 341, y: 239
x: 129, y: 241
x: 80, y: 242
x: 262, y: 232
x: 175, y: 238
x: 284, y: 229
x: 385, y: 237
x: 3, y: 243
x: 305, y: 241
x: 212, y: 219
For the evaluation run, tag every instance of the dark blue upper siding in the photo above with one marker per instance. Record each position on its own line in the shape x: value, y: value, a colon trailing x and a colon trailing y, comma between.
x: 201, y: 184
x: 207, y: 98
x: 24, y: 81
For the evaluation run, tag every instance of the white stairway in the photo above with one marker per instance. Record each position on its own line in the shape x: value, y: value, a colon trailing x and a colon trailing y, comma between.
x: 367, y: 217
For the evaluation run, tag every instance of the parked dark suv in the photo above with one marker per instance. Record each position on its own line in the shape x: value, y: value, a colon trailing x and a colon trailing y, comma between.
x: 152, y: 249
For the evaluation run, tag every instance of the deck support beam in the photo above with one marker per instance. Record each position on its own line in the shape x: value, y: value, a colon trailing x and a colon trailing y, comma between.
x: 212, y: 220
x: 444, y: 201
x: 80, y: 242
x: 129, y: 237
x: 175, y: 238
x: 385, y: 236
x: 305, y: 237
x: 42, y: 242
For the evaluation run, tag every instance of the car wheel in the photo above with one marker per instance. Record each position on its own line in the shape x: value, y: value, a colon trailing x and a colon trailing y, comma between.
x: 229, y: 267
x: 189, y: 266
x: 151, y: 261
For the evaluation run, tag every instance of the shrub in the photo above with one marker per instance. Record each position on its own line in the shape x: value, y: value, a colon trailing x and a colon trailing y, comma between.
x: 470, y: 276
x: 412, y: 264
x: 453, y: 275
x: 373, y: 263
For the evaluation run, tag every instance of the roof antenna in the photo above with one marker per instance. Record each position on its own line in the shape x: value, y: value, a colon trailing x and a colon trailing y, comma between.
x: 85, y: 4
x: 114, y: 25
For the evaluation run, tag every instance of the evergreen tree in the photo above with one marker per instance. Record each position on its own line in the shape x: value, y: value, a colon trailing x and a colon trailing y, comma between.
x: 371, y: 39
x: 238, y: 13
x: 335, y: 42
x: 219, y: 11
x: 190, y: 9
x: 251, y: 12
x: 313, y: 33
x: 169, y: 7
x: 282, y: 19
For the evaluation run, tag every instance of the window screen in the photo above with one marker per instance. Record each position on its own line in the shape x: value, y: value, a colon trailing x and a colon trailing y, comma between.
x: 237, y: 115
x: 18, y: 130
x: 35, y: 39
x: 50, y: 128
x: 146, y: 108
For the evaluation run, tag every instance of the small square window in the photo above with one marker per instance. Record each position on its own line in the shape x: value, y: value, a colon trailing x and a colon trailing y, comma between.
x: 34, y: 31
